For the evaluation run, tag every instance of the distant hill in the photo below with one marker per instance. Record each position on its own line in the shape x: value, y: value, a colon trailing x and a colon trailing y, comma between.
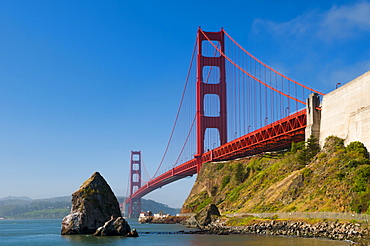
x: 26, y: 208
x: 56, y: 199
x: 24, y: 198
x: 14, y: 202
x: 22, y: 208
x: 155, y: 207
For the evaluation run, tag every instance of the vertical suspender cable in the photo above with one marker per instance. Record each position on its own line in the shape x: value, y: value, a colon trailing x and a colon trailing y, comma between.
x: 178, y: 111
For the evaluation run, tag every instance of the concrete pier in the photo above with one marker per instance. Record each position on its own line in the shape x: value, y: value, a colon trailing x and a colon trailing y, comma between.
x: 313, y: 116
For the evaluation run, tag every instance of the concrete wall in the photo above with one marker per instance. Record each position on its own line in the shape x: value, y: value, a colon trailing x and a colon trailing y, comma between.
x: 346, y: 112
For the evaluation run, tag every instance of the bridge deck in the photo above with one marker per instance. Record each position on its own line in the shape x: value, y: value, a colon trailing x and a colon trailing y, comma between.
x: 277, y: 135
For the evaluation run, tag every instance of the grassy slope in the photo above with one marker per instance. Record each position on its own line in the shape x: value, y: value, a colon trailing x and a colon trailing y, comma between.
x: 334, y: 180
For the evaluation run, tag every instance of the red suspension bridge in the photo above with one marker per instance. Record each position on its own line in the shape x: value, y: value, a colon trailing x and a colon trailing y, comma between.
x: 233, y: 105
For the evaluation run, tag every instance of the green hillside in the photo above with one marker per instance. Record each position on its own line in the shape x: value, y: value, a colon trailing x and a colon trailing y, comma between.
x: 58, y: 207
x: 16, y: 208
x: 334, y: 179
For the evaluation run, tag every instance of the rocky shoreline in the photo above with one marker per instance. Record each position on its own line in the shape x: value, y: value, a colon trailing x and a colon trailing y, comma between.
x: 348, y: 231
x: 163, y: 220
x: 332, y: 230
x: 209, y: 221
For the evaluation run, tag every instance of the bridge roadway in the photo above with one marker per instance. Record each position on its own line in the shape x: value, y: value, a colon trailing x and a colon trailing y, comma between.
x: 277, y: 135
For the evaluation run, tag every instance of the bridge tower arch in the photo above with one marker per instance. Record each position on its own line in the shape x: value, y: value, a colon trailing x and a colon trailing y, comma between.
x: 216, y: 88
x: 135, y: 184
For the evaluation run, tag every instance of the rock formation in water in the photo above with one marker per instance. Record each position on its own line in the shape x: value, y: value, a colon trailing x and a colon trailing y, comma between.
x: 93, y: 205
x: 114, y: 227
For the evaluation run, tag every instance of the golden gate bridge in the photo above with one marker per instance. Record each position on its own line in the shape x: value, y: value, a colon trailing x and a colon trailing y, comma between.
x: 233, y: 105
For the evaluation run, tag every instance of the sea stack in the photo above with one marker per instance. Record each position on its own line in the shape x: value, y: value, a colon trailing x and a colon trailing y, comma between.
x: 94, y: 204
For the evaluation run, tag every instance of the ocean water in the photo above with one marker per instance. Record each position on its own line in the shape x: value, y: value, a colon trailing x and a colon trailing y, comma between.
x: 47, y: 232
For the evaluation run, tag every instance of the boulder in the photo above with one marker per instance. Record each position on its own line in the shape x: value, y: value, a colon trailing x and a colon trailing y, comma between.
x: 93, y: 204
x: 191, y: 222
x: 114, y: 227
x: 207, y: 215
x: 132, y: 233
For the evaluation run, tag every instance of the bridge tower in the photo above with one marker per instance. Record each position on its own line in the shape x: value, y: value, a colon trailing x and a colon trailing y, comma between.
x: 214, y: 87
x: 135, y: 184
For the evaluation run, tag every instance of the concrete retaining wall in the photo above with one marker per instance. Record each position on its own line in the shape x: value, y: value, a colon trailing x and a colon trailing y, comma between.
x: 346, y: 112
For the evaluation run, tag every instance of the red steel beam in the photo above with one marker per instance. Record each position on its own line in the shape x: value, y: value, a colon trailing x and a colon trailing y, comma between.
x: 275, y: 136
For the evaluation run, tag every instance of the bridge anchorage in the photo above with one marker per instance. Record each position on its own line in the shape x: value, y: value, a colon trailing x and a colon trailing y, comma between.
x: 254, y: 109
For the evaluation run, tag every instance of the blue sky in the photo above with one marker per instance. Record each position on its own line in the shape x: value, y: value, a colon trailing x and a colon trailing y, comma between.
x: 85, y: 82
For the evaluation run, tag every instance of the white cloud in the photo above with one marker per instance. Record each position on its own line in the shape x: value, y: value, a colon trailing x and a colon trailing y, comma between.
x: 297, y: 27
x: 320, y: 48
x: 344, y: 22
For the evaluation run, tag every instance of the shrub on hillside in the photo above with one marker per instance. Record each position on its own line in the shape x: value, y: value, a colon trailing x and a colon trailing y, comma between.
x: 333, y: 143
x: 359, y: 147
x: 360, y: 202
x: 362, y: 178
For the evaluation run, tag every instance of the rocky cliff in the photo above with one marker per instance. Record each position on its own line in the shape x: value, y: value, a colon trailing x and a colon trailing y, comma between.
x: 334, y: 179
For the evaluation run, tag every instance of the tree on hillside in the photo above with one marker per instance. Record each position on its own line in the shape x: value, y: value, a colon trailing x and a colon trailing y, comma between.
x: 239, y: 172
x: 310, y: 149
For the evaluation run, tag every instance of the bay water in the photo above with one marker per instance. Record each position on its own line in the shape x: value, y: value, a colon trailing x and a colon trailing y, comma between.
x: 47, y: 232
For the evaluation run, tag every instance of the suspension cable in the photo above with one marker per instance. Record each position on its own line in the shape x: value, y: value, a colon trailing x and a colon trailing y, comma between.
x: 146, y: 171
x: 128, y: 191
x: 263, y: 64
x: 178, y: 110
x: 186, y: 140
x: 137, y: 172
x: 250, y: 75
